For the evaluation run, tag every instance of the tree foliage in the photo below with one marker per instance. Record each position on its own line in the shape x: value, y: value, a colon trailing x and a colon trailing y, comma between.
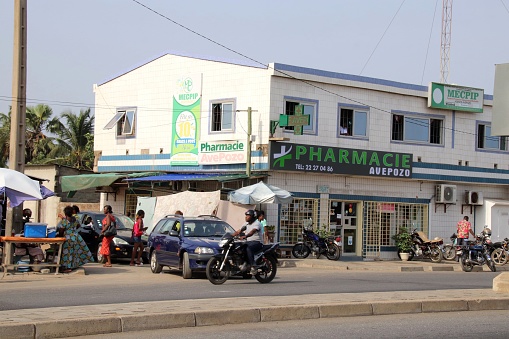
x: 66, y: 140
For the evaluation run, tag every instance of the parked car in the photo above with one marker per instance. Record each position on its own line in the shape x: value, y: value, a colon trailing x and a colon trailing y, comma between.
x: 185, y: 243
x: 122, y: 245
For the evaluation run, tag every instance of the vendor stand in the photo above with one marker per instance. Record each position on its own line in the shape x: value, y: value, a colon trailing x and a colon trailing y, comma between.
x: 22, y: 240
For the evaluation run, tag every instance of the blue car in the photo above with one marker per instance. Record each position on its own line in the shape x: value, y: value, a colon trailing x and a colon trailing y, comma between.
x: 185, y: 243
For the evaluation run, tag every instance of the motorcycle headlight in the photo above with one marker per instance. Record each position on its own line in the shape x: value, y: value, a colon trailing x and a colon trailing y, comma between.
x: 118, y: 241
x: 223, y: 242
x: 203, y: 250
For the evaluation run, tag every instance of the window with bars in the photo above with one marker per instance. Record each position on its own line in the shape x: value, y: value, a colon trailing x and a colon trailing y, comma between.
x: 353, y: 122
x: 486, y: 141
x: 131, y: 201
x: 383, y: 220
x: 222, y: 117
x: 310, y: 107
x: 417, y: 129
x: 292, y: 219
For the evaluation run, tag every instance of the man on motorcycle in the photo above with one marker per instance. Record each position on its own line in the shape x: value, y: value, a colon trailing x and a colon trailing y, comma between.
x: 254, y: 244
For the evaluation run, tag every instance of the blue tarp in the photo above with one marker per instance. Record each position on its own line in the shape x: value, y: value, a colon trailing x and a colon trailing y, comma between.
x: 178, y: 177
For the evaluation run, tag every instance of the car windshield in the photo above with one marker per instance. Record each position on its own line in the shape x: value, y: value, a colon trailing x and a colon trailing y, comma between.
x: 123, y: 222
x: 206, y: 228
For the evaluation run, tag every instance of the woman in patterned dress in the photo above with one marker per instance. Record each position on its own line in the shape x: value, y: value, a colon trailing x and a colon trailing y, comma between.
x: 75, y: 252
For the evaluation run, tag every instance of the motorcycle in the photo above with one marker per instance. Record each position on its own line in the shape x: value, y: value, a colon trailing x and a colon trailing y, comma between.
x: 500, y: 254
x: 449, y: 250
x: 313, y: 243
x: 233, y: 254
x: 477, y: 253
x: 425, y: 248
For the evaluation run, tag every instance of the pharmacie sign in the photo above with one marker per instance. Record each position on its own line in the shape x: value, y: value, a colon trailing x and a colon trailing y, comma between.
x: 334, y: 160
x: 222, y: 152
x: 455, y: 98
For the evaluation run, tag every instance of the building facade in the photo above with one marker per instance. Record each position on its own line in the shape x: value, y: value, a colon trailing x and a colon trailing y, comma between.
x: 362, y: 156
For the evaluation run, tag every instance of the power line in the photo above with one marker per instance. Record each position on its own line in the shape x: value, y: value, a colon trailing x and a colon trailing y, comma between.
x: 429, y: 40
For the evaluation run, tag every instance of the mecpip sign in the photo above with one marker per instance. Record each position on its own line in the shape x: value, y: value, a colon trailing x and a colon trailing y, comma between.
x: 334, y: 160
x: 455, y: 98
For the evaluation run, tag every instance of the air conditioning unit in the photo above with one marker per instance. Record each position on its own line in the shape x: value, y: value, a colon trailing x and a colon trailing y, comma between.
x: 446, y: 194
x: 473, y: 198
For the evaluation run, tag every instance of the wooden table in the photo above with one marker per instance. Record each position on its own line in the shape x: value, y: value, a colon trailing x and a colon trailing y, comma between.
x: 23, y: 240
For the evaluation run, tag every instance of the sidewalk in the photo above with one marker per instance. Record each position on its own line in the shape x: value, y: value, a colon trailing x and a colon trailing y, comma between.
x: 72, y: 321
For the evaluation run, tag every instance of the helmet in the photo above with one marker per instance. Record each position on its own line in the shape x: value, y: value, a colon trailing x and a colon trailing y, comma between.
x: 251, y: 213
x: 487, y: 231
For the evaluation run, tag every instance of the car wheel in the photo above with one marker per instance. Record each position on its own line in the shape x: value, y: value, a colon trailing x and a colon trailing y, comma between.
x: 154, y: 265
x: 186, y: 269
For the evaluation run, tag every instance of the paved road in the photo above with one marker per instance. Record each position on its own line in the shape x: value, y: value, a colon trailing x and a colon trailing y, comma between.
x: 124, y: 283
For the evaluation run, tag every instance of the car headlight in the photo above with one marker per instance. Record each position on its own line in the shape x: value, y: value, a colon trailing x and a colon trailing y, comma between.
x: 203, y: 250
x: 118, y: 241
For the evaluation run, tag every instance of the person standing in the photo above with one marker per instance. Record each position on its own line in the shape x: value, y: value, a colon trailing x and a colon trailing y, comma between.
x: 75, y: 252
x: 261, y: 218
x: 138, y: 243
x: 464, y: 229
x: 106, y: 242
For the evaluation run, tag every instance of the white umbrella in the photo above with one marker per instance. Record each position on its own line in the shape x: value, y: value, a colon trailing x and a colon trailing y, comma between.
x: 18, y: 187
x: 260, y: 193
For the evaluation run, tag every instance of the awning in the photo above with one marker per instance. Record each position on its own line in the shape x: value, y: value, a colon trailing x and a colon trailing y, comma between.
x: 189, y: 177
x: 84, y: 181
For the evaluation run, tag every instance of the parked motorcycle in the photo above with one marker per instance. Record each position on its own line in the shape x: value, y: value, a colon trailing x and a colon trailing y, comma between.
x: 477, y: 253
x: 425, y: 248
x: 313, y: 243
x: 227, y: 263
x: 449, y: 250
x: 500, y: 253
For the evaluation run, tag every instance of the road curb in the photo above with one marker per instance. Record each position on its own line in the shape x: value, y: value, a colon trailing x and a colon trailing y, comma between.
x: 59, y: 328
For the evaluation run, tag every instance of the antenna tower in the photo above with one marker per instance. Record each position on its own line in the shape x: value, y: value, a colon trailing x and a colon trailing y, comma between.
x: 445, y: 45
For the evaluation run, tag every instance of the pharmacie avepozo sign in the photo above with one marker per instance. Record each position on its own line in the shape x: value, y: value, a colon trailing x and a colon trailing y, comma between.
x: 334, y: 160
x: 455, y: 98
x: 222, y: 152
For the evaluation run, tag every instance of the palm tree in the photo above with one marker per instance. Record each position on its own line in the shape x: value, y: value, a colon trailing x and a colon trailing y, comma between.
x: 73, y: 142
x: 38, y: 144
x: 5, y: 137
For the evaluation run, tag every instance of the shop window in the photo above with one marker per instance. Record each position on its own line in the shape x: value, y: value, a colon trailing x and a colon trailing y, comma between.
x: 293, y: 216
x: 353, y: 122
x: 222, y: 117
x: 124, y: 121
x: 310, y: 108
x: 486, y: 141
x: 131, y: 201
x: 417, y: 129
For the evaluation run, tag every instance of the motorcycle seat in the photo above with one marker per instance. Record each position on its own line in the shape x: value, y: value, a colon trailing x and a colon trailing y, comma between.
x: 424, y: 238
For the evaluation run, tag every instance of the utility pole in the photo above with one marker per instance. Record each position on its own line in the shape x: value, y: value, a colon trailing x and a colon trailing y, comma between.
x: 249, y: 137
x: 18, y: 112
x: 445, y: 45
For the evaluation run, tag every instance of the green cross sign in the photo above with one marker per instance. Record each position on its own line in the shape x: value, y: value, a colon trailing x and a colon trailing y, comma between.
x: 298, y: 121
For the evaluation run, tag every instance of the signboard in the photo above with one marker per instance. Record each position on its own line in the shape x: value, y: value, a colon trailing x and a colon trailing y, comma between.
x: 334, y: 160
x: 455, y: 98
x: 297, y: 121
x: 186, y: 121
x: 222, y: 152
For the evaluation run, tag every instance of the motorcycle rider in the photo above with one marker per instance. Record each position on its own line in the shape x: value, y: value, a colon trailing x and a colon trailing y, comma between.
x: 254, y: 244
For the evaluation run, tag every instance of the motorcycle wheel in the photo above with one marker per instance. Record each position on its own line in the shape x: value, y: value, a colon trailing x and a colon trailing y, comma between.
x: 449, y: 252
x: 300, y: 251
x: 435, y: 254
x: 333, y: 252
x: 499, y: 256
x: 465, y: 266
x: 268, y: 270
x: 490, y: 263
x: 216, y: 276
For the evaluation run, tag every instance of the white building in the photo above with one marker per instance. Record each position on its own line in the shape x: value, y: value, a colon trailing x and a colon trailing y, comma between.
x: 397, y: 162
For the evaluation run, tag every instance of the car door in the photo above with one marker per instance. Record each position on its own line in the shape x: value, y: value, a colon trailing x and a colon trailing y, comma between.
x: 158, y: 240
x: 173, y: 243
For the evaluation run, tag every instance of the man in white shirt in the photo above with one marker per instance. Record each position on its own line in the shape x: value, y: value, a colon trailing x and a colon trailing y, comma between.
x: 252, y: 235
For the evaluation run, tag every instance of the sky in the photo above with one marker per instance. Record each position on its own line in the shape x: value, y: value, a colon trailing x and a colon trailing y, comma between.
x: 74, y: 44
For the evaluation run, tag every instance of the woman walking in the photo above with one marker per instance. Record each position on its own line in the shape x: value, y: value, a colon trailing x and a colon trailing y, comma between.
x: 106, y: 242
x: 137, y: 233
x: 75, y: 252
